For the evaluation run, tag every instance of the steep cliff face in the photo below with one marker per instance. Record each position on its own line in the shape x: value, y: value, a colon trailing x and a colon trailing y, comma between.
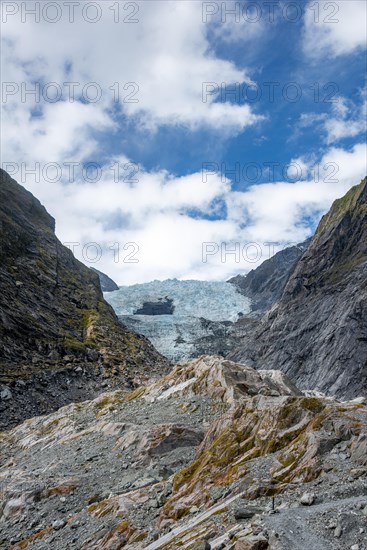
x: 58, y: 337
x: 317, y: 333
x: 265, y: 284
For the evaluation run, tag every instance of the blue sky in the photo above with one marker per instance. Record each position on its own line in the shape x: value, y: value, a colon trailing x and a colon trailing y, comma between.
x: 169, y: 218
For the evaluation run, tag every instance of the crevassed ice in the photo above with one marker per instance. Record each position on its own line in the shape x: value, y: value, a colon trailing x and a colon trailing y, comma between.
x: 175, y: 335
x: 216, y: 301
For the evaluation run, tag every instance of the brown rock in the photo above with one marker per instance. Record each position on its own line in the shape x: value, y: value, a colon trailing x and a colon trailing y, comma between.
x: 252, y: 543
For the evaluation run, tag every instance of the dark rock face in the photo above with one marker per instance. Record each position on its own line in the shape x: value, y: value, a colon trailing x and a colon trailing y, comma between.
x: 107, y: 284
x: 265, y: 284
x: 224, y: 336
x: 162, y: 307
x: 317, y: 333
x: 53, y: 318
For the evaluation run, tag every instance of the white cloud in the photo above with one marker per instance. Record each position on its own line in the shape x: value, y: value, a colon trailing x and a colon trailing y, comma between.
x: 346, y: 120
x: 169, y: 56
x: 62, y: 132
x: 308, y: 119
x: 166, y: 54
x: 275, y: 211
x: 156, y: 214
x: 298, y: 169
x: 334, y: 28
x: 236, y: 22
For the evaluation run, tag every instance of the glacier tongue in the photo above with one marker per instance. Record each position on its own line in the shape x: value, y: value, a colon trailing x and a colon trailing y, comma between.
x: 203, y: 314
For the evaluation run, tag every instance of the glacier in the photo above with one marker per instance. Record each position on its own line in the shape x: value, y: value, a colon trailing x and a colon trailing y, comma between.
x: 203, y: 315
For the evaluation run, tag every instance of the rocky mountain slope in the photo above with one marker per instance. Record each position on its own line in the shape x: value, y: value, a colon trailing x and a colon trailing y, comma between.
x: 317, y: 333
x: 107, y: 284
x: 215, y: 455
x: 59, y: 340
x: 265, y: 284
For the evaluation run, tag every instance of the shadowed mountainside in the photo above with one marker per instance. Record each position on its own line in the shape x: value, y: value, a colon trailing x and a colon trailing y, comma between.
x: 59, y: 339
x: 317, y: 333
x: 265, y: 284
x: 107, y: 284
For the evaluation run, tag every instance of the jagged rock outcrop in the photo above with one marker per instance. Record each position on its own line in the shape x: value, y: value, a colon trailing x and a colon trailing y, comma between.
x: 161, y: 307
x: 265, y: 284
x: 221, y: 380
x: 191, y: 461
x: 59, y: 339
x: 317, y: 333
x: 107, y: 284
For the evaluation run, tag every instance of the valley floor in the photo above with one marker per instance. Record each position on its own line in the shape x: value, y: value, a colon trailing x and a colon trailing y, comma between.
x: 192, y: 461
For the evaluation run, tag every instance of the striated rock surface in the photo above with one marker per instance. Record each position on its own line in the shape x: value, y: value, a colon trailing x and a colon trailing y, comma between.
x: 59, y: 340
x: 317, y: 333
x: 221, y: 380
x: 265, y: 284
x: 191, y: 461
x: 107, y: 284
